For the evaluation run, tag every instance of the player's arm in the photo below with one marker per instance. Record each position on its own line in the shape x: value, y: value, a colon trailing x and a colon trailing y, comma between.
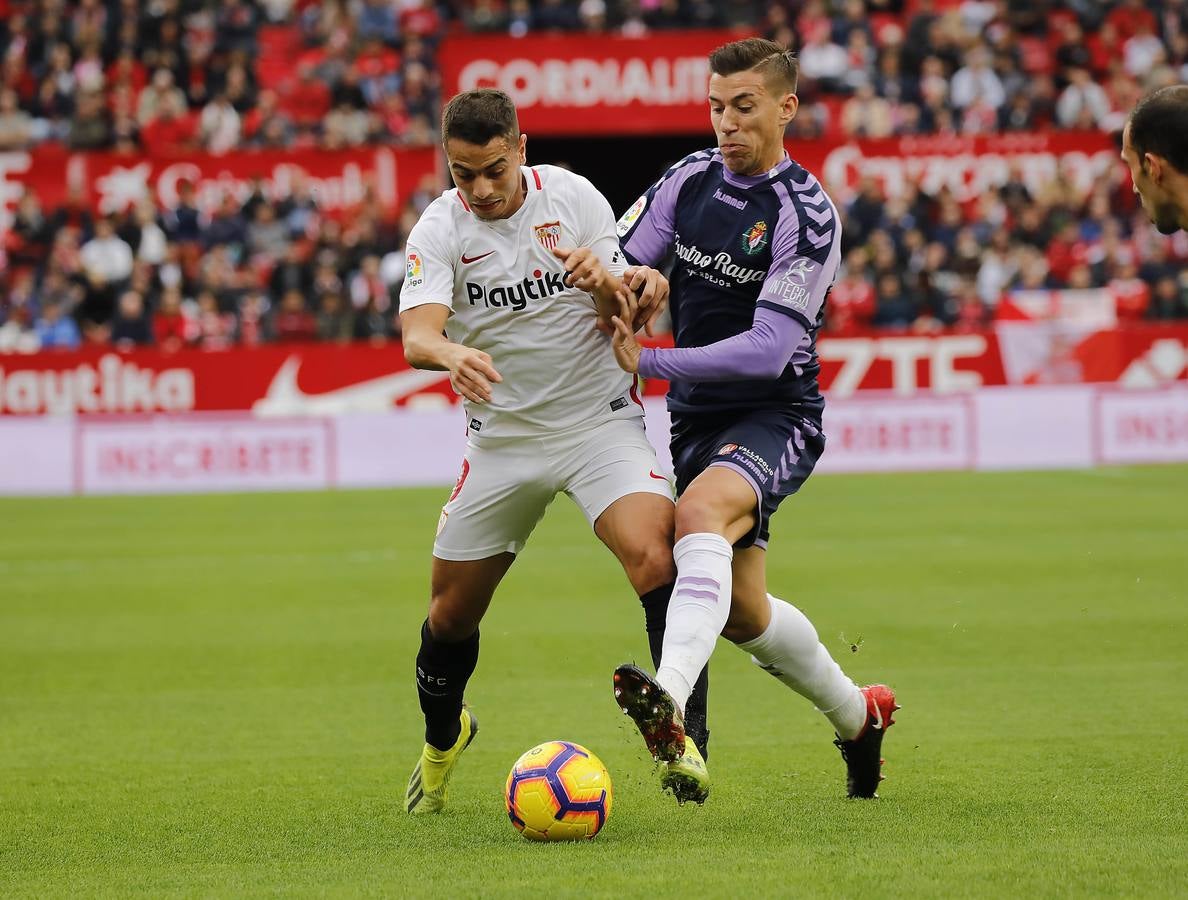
x: 789, y: 301
x: 427, y: 347
x: 642, y: 288
x: 586, y: 272
x: 761, y: 352
x: 647, y: 232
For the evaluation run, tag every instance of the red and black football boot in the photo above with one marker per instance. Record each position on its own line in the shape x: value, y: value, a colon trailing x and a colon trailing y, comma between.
x: 863, y: 754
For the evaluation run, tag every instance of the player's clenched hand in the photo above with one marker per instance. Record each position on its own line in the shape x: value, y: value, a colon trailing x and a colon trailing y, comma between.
x: 471, y: 373
x: 623, y: 341
x: 652, y: 289
x: 584, y: 268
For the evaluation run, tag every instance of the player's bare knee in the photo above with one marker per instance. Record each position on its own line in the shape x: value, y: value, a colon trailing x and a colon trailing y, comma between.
x: 450, y: 621
x: 696, y: 514
x: 651, y: 566
x: 742, y: 627
x: 749, y: 617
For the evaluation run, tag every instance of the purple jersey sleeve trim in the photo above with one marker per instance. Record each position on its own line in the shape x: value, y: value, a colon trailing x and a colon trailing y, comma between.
x: 653, y: 234
x: 806, y: 251
x: 763, y: 351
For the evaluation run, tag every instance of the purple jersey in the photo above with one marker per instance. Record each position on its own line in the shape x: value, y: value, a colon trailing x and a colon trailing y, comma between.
x: 771, y: 241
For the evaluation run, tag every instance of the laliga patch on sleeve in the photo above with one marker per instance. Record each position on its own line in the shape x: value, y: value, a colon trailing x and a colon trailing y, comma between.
x: 414, y: 270
x: 629, y: 218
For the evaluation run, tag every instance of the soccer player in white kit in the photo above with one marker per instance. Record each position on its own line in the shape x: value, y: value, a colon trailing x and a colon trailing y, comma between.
x: 512, y: 279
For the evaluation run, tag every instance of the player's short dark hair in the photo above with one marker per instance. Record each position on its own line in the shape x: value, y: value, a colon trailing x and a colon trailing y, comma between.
x: 1159, y: 125
x: 478, y: 116
x: 776, y: 64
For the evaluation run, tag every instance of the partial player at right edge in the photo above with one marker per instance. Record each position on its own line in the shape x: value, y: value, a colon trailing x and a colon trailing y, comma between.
x: 757, y: 244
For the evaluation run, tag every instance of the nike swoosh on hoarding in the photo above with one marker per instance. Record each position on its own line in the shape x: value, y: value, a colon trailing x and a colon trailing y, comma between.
x: 467, y: 260
x: 285, y: 398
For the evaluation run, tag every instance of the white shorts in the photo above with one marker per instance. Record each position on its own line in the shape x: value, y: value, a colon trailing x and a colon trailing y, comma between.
x: 505, y: 486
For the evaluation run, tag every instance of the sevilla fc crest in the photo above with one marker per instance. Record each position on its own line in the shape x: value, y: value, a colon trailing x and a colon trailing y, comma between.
x: 549, y: 234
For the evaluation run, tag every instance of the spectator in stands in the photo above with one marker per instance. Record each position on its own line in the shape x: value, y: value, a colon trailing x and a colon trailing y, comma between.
x: 227, y: 226
x: 151, y: 245
x: 267, y: 236
x: 107, y: 261
x: 160, y: 93
x: 170, y: 130
x: 55, y: 330
x: 555, y: 15
x: 344, y: 126
x: 335, y: 321
x: 419, y: 17
x: 290, y: 274
x: 972, y: 313
x: 998, y: 268
x: 1129, y: 17
x: 266, y: 125
x: 852, y: 302
x: 366, y: 286
x: 17, y: 332
x: 1083, y: 103
x: 897, y: 306
x: 130, y: 77
x: 977, y: 82
x: 519, y: 17
x: 214, y: 327
x: 16, y: 125
x: 219, y: 128
x: 235, y: 26
x: 373, y: 326
x: 325, y: 280
x: 1169, y: 298
x: 173, y: 324
x: 130, y: 326
x: 823, y: 63
x: 484, y: 16
x: 238, y: 86
x: 377, y: 20
x: 31, y: 231
x: 90, y: 127
x: 183, y: 223
x: 293, y: 321
x: 253, y: 320
x: 866, y: 115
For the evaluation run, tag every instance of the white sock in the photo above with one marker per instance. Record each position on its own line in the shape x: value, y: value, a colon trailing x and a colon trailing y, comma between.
x: 790, y: 650
x: 697, y: 612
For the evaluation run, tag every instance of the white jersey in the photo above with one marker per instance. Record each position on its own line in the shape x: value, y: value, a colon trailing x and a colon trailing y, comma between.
x: 507, y: 297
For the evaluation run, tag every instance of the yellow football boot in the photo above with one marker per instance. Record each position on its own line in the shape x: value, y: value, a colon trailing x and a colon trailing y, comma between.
x: 430, y: 780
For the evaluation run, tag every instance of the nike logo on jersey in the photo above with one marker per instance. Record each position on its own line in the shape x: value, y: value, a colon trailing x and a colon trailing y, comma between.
x: 877, y: 724
x: 657, y: 477
x: 467, y: 260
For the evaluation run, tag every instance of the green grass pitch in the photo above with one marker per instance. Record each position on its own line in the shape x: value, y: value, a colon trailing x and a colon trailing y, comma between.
x: 213, y: 696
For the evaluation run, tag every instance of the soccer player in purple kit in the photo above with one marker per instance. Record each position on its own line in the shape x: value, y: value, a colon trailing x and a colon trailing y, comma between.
x: 757, y: 243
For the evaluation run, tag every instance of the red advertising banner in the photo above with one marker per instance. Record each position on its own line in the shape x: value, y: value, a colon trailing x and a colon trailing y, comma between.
x: 969, y: 166
x: 339, y: 180
x: 329, y: 379
x: 566, y: 85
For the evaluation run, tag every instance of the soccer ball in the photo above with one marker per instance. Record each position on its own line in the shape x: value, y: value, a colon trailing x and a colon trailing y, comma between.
x: 558, y: 791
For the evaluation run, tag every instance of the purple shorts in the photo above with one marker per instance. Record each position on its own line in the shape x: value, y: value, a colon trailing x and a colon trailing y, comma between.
x: 775, y: 451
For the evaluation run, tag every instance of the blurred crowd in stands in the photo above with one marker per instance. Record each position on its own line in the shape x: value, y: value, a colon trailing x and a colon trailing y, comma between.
x: 259, y: 271
x: 141, y: 77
